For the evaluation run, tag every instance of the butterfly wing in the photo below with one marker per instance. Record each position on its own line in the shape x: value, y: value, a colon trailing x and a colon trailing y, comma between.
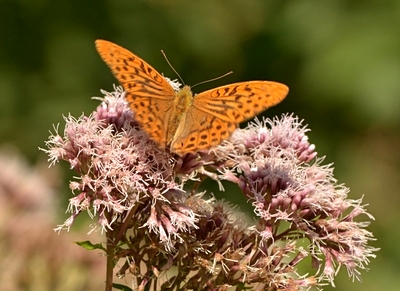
x: 216, y: 113
x: 148, y: 93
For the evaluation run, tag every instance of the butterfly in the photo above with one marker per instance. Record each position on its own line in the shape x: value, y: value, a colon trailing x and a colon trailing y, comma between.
x: 181, y: 121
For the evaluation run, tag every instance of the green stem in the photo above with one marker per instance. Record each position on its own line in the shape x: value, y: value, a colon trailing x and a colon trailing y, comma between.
x: 110, y: 246
x: 124, y: 226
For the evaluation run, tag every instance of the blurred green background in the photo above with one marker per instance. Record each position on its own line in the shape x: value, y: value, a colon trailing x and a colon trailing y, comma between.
x: 341, y: 60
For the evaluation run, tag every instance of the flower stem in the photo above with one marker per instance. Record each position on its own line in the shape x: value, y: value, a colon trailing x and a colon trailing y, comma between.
x: 125, y: 225
x: 110, y: 246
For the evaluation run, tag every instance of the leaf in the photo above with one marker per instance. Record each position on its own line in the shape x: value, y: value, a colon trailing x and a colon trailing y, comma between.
x: 89, y: 246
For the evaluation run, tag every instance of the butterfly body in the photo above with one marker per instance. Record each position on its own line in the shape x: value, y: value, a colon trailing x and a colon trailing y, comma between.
x: 182, y: 102
x: 178, y: 120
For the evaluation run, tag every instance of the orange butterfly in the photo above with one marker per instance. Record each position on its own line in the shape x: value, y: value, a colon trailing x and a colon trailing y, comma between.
x: 179, y: 120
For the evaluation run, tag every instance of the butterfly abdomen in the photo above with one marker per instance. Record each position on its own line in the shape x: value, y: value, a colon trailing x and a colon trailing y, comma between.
x: 182, y: 101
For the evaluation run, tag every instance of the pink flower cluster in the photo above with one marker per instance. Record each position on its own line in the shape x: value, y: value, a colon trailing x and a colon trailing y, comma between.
x: 147, y: 197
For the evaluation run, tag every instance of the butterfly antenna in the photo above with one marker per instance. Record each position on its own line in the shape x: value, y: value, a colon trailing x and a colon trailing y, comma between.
x: 210, y: 80
x: 165, y: 57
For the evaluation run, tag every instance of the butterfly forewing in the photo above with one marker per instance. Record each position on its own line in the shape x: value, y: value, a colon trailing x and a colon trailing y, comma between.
x: 133, y: 73
x: 240, y: 101
x: 148, y: 93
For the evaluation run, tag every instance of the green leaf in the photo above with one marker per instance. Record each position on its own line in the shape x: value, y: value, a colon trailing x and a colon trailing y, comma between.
x: 89, y: 246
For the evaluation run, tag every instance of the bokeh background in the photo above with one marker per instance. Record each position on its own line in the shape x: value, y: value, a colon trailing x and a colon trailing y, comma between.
x: 341, y: 60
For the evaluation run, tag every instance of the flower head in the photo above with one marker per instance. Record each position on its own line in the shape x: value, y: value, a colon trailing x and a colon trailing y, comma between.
x: 147, y: 198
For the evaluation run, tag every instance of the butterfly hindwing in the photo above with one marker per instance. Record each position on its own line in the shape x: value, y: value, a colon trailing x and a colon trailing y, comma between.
x: 198, y: 130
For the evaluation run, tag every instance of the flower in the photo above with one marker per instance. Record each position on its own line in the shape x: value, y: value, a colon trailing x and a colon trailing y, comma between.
x: 146, y: 200
x: 119, y: 168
